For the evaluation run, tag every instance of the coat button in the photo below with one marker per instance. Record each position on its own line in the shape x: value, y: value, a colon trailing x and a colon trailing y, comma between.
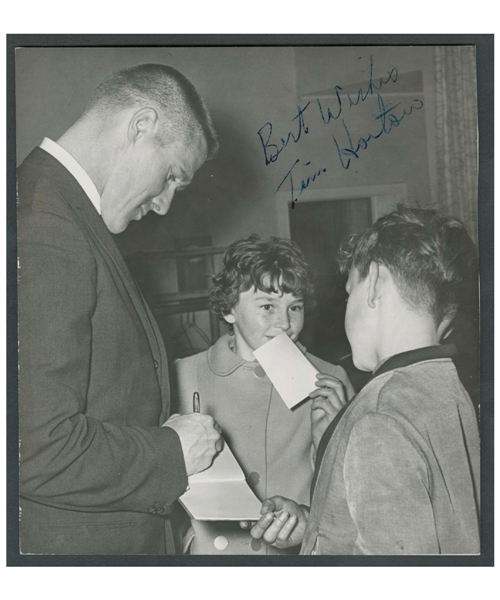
x: 259, y: 372
x: 253, y: 479
x: 156, y: 364
x: 221, y: 542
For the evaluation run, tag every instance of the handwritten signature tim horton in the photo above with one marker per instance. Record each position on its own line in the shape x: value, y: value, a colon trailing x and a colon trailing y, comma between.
x: 386, y: 119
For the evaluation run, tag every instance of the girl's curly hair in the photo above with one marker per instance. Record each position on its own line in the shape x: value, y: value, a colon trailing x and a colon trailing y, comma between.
x: 276, y: 265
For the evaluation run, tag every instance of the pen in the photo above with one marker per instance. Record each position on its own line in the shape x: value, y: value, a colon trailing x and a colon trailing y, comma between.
x: 196, y: 402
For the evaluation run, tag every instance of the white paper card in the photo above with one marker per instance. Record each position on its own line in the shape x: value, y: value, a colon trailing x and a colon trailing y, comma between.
x: 290, y: 372
x: 221, y: 493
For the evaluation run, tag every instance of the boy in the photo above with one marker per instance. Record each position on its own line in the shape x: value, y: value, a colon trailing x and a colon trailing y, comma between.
x: 397, y: 471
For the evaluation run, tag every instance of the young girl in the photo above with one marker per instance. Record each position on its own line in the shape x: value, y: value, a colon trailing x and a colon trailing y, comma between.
x: 262, y: 291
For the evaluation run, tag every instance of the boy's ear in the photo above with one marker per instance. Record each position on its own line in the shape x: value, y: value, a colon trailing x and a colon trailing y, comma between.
x: 373, y: 284
x: 444, y: 329
x: 229, y: 319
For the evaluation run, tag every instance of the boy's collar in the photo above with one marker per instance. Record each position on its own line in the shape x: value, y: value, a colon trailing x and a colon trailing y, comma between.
x: 405, y: 359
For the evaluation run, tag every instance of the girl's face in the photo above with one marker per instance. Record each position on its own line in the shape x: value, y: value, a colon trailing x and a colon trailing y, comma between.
x: 259, y: 316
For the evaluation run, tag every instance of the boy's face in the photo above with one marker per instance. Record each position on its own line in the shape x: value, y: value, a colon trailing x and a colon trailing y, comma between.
x: 360, y: 323
x: 259, y: 316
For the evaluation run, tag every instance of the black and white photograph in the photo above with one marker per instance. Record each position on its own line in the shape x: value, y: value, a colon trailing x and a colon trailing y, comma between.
x: 248, y: 302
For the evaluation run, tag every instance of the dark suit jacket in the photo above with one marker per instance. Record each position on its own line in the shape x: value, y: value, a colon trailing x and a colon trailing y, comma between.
x: 97, y: 473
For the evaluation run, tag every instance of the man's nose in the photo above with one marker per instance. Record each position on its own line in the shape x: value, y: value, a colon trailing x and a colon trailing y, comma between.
x: 163, y: 201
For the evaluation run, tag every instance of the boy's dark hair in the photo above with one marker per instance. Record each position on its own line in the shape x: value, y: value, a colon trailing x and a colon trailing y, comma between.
x: 276, y: 265
x: 430, y: 256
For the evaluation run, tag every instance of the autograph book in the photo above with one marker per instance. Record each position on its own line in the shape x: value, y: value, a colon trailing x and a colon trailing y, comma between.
x: 221, y: 493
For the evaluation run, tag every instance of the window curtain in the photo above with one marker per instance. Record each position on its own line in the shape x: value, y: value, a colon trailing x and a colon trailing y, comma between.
x: 456, y: 133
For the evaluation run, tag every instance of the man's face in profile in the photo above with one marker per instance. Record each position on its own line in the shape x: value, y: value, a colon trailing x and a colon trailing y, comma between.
x: 146, y: 176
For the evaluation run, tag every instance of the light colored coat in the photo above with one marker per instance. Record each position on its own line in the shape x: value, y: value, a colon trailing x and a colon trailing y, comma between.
x: 272, y: 443
x: 400, y: 474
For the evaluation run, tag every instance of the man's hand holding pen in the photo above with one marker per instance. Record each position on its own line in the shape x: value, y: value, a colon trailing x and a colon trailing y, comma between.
x: 200, y: 437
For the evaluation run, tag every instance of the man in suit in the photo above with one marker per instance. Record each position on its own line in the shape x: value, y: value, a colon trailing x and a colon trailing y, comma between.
x: 397, y: 470
x: 101, y: 462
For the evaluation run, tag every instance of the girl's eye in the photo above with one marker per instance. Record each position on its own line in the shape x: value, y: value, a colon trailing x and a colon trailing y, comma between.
x: 267, y: 306
x: 297, y: 308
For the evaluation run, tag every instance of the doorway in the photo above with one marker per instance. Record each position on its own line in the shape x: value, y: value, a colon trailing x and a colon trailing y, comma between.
x: 319, y: 229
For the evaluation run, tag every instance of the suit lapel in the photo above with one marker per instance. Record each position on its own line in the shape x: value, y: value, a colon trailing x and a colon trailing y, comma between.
x: 97, y: 229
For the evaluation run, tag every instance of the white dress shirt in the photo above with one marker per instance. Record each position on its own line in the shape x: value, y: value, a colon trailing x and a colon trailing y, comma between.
x: 65, y: 158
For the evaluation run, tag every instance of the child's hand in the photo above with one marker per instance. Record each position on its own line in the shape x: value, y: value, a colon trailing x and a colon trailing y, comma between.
x: 283, y: 522
x: 328, y: 399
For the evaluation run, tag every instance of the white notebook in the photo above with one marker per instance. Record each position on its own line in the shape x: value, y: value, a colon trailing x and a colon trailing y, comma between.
x: 221, y: 493
x: 290, y: 372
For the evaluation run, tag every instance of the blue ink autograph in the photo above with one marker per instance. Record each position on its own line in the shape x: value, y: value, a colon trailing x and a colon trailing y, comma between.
x: 388, y: 118
x: 304, y: 183
x: 371, y: 88
x: 272, y: 151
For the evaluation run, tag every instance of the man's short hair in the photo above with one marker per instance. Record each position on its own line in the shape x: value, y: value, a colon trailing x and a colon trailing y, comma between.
x: 430, y: 256
x: 276, y: 265
x: 166, y: 90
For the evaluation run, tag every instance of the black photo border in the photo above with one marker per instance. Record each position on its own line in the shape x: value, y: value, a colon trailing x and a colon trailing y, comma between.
x: 484, y: 45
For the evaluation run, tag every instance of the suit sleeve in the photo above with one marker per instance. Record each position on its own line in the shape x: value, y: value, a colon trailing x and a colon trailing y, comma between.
x: 69, y: 459
x: 387, y: 489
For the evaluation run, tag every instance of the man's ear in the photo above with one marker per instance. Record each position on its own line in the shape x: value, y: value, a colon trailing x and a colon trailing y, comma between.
x: 144, y: 121
x: 229, y: 319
